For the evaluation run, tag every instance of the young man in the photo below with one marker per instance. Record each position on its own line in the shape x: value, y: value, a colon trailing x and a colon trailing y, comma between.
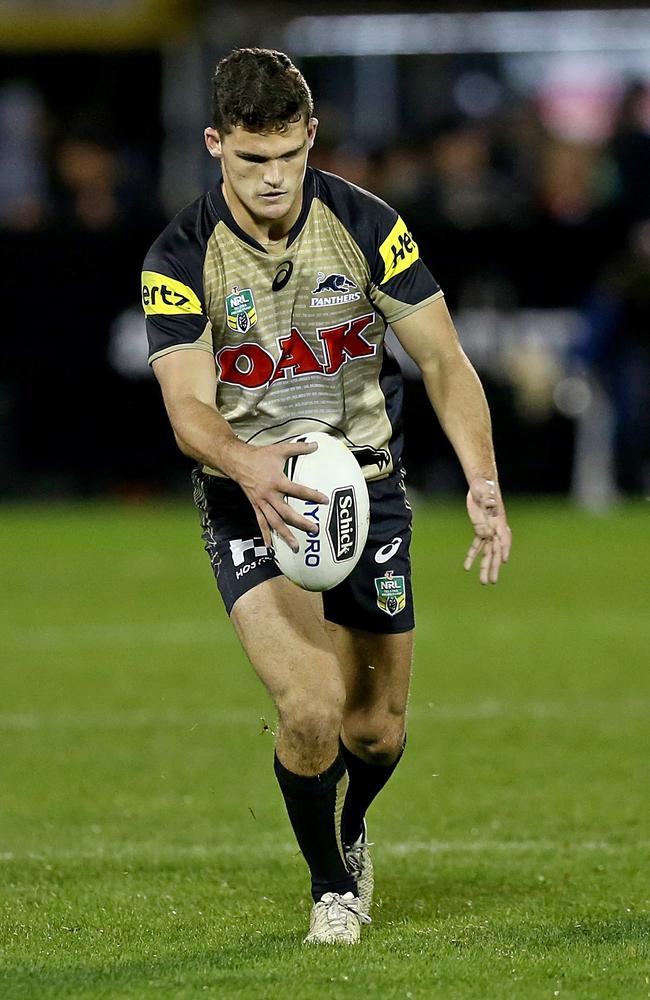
x: 267, y: 302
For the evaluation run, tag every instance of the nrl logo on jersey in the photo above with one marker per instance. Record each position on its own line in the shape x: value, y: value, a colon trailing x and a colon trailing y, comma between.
x: 391, y: 593
x: 333, y: 290
x: 241, y: 313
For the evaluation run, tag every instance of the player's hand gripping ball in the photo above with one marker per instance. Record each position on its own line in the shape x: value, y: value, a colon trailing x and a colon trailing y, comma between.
x: 331, y: 551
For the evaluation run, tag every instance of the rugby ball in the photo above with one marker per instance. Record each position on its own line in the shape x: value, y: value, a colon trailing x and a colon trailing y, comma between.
x: 330, y: 552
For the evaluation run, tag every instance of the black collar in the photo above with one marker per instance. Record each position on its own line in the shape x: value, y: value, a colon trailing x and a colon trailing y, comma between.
x: 219, y: 203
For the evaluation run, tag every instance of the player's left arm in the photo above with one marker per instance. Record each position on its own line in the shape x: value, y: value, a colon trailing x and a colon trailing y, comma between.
x: 456, y: 394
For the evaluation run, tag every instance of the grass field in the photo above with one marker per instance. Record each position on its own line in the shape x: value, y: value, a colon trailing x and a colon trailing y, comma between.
x: 144, y: 849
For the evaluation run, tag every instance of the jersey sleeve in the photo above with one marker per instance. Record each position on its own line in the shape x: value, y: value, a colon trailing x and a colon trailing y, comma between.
x: 172, y: 291
x: 400, y: 282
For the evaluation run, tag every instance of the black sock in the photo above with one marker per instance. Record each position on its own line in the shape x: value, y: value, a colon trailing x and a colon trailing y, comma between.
x: 365, y: 782
x: 314, y: 805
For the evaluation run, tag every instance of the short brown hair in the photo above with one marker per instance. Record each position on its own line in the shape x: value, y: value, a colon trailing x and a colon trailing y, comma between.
x: 259, y: 89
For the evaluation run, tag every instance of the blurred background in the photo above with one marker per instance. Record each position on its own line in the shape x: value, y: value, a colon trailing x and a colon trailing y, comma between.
x: 515, y: 143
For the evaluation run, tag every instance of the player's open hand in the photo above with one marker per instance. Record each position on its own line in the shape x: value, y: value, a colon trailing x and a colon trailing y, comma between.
x: 265, y: 483
x: 492, y: 536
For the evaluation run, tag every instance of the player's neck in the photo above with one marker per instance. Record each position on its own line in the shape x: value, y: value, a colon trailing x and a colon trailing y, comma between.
x: 271, y: 233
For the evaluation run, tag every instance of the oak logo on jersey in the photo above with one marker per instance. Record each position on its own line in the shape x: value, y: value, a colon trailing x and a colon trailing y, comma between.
x: 391, y: 593
x: 398, y: 251
x: 241, y: 313
x: 165, y: 296
x: 339, y: 287
x: 251, y: 366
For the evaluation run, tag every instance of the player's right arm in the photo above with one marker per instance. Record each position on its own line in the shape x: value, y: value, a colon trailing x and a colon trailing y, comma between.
x: 181, y: 352
x: 188, y: 380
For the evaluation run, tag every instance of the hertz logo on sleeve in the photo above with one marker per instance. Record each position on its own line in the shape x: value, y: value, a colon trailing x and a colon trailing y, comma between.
x: 164, y: 296
x: 398, y: 251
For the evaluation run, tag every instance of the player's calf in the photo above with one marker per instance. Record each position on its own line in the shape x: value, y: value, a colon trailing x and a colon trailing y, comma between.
x: 367, y: 776
x: 314, y: 805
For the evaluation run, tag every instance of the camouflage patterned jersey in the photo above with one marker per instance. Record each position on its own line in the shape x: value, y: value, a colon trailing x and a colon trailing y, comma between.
x: 298, y: 336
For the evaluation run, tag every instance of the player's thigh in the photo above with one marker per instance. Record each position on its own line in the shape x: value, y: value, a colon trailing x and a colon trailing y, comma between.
x: 282, y: 631
x: 279, y: 625
x: 239, y: 558
x: 376, y: 669
x: 377, y: 597
x: 370, y: 615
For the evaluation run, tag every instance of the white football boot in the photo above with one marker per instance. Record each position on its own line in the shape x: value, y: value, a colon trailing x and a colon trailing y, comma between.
x: 336, y: 919
x: 359, y: 863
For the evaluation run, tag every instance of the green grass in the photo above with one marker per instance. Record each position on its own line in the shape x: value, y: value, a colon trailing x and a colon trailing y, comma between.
x: 144, y: 849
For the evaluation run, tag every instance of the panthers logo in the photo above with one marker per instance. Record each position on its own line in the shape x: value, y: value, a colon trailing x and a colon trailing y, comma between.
x: 332, y: 283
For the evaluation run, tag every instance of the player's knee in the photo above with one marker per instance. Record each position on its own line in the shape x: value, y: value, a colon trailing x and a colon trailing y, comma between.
x: 311, y: 723
x: 379, y: 738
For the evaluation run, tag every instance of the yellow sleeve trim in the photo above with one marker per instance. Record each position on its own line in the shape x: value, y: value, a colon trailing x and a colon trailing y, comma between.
x: 398, y: 251
x: 164, y: 296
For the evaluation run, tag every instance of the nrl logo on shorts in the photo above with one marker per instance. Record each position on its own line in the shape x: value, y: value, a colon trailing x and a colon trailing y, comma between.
x: 333, y: 290
x: 391, y: 593
x: 342, y: 523
x: 241, y: 314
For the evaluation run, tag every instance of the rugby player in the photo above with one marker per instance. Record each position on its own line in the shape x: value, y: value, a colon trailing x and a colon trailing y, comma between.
x: 266, y: 301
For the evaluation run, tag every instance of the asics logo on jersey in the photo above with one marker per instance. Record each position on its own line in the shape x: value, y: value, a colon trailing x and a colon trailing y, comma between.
x: 387, y: 552
x: 282, y: 276
x: 251, y: 366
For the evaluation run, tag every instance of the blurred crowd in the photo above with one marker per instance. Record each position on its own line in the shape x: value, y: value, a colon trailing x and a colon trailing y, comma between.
x: 513, y: 220
x: 78, y: 209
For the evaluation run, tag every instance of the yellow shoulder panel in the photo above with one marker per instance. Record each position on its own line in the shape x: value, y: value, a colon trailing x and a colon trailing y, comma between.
x: 163, y: 296
x: 398, y: 251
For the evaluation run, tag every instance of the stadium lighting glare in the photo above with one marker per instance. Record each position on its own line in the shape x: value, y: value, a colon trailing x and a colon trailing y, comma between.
x: 494, y: 31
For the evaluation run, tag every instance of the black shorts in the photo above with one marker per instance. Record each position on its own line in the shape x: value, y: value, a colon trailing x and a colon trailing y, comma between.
x: 376, y: 596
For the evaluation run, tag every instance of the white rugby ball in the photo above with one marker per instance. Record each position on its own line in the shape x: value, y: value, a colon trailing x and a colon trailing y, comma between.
x: 329, y: 553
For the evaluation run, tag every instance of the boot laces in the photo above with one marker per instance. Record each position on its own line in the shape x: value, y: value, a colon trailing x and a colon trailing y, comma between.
x: 338, y: 906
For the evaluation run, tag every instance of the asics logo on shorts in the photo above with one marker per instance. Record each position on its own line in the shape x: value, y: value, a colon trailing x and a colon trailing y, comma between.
x: 387, y: 552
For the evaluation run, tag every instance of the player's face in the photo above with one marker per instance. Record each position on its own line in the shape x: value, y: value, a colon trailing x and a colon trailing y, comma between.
x: 263, y: 172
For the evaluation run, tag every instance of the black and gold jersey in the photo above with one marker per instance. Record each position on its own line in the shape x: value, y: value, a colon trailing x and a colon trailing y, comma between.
x: 298, y: 336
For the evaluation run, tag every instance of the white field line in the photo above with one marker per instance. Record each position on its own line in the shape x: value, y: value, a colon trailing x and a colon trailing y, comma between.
x: 206, y: 631
x: 128, y: 719
x: 494, y: 709
x: 508, y: 846
x: 159, y: 852
x: 186, y: 719
x: 53, y: 637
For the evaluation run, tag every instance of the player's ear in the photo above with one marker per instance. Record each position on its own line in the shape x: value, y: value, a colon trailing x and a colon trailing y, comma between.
x: 213, y: 142
x: 312, y: 126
